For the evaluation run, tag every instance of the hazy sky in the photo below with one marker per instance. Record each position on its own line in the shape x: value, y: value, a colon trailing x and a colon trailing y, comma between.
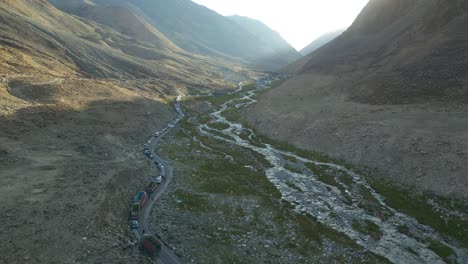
x: 298, y: 21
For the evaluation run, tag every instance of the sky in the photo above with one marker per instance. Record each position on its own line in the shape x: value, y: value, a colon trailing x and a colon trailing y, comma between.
x: 298, y: 21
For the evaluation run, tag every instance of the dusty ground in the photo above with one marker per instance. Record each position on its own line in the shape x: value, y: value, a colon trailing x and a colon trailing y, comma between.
x: 421, y: 145
x: 70, y: 164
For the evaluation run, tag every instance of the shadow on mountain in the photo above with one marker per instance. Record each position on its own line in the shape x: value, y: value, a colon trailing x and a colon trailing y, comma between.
x: 69, y: 174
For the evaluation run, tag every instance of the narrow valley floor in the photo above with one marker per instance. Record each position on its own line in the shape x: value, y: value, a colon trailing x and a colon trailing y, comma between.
x: 240, y: 197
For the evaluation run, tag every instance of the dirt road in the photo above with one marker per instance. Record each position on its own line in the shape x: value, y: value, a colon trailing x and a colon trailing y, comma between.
x: 166, y: 255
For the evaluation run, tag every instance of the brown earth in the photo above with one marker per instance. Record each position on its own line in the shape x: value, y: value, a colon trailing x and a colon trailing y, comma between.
x: 423, y: 146
x: 70, y: 166
x: 75, y: 106
x: 389, y: 94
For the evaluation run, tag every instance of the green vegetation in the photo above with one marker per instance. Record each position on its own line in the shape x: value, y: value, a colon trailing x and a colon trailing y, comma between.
x: 293, y: 186
x: 234, y: 114
x: 347, y: 180
x: 403, y: 200
x: 243, y: 101
x: 412, y: 251
x: 249, y: 86
x: 371, y: 205
x: 404, y: 230
x: 289, y: 158
x: 204, y: 119
x: 221, y: 135
x: 442, y: 250
x: 324, y: 176
x: 211, y: 185
x: 368, y: 227
x: 221, y: 99
x: 218, y: 125
x: 416, y: 205
x: 193, y: 202
x: 410, y: 203
x: 285, y: 146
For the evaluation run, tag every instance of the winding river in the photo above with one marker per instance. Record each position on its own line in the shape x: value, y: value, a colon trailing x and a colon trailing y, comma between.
x: 334, y: 205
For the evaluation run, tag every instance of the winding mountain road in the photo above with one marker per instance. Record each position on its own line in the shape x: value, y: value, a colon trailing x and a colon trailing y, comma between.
x: 166, y: 255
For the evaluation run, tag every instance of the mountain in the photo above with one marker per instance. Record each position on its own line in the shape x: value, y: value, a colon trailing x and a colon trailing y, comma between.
x: 120, y: 19
x: 280, y: 48
x: 412, y: 42
x: 389, y: 94
x: 321, y: 41
x: 77, y: 99
x: 94, y: 49
x: 198, y: 29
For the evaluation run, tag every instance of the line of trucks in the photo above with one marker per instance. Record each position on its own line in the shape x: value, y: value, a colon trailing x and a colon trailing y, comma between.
x: 152, y: 185
x: 142, y: 196
x: 148, y: 242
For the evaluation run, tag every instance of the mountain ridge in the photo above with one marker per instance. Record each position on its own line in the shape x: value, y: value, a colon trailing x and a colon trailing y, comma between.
x: 320, y: 41
x: 197, y: 29
x: 378, y: 94
x: 77, y: 99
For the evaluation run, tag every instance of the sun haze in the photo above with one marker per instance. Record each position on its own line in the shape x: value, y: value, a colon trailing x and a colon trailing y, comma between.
x: 298, y: 21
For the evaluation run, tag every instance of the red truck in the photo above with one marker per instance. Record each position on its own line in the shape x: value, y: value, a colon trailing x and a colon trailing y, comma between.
x: 150, y: 245
x: 151, y: 187
x: 140, y: 198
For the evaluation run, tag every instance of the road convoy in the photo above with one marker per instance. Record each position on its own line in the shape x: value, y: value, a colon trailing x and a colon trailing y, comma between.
x: 149, y: 243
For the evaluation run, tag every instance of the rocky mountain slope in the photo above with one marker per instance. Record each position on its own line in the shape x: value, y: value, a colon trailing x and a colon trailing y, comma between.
x: 389, y: 94
x: 320, y: 42
x: 122, y: 20
x: 198, y: 29
x: 96, y: 50
x: 280, y: 49
x: 77, y: 99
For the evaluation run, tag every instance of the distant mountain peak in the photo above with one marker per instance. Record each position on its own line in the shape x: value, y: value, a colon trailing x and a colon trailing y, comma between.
x: 198, y: 29
x: 321, y: 41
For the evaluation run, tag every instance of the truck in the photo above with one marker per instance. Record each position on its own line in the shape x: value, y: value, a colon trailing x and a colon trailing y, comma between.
x: 134, y: 224
x: 151, y: 187
x: 159, y: 179
x: 140, y: 198
x: 135, y: 211
x: 150, y: 245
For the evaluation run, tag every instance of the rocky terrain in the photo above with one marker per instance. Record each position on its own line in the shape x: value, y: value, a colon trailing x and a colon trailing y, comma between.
x: 65, y: 178
x: 77, y: 99
x: 265, y: 199
x: 200, y: 30
x: 221, y: 207
x: 320, y: 42
x: 84, y: 82
x: 388, y: 95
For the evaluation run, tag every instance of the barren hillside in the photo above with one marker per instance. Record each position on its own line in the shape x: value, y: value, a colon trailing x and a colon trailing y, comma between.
x: 76, y: 100
x: 124, y: 21
x: 200, y: 30
x: 320, y: 42
x: 389, y: 94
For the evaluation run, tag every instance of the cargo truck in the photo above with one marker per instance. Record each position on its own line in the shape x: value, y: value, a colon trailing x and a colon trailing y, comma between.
x: 140, y: 198
x: 151, y: 187
x: 150, y: 245
x: 135, y: 211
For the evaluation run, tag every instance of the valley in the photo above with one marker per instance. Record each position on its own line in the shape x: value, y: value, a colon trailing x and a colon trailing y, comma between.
x: 329, y: 194
x: 162, y: 131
